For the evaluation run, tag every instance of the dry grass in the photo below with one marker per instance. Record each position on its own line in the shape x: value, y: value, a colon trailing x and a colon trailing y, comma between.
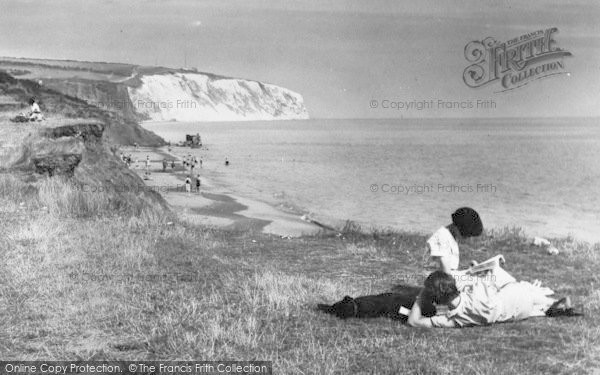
x: 61, y: 197
x: 129, y: 287
x: 106, y: 276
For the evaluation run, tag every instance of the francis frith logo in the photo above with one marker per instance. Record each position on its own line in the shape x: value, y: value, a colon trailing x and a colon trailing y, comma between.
x: 516, y: 62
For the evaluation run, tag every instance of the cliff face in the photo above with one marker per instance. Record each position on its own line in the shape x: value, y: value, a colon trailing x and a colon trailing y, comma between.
x: 201, y: 97
x: 112, y: 101
x: 109, y: 96
x: 78, y: 155
x: 132, y: 93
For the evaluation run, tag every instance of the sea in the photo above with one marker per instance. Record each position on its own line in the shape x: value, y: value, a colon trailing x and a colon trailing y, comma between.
x: 541, y: 175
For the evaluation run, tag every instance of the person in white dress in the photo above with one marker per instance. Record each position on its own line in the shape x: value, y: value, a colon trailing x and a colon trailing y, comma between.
x: 35, y: 114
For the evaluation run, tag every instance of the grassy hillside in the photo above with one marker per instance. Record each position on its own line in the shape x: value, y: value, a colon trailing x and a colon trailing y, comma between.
x: 72, y: 146
x: 120, y: 129
x: 35, y: 69
x: 155, y: 289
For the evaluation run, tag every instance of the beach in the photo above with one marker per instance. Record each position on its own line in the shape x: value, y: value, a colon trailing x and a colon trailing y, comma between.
x: 216, y: 205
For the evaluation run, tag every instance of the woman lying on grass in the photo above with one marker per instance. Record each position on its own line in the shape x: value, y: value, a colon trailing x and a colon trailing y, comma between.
x: 482, y: 303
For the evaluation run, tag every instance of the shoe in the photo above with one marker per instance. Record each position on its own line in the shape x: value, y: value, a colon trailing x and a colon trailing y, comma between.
x: 575, y: 311
x: 557, y: 308
x: 563, y: 307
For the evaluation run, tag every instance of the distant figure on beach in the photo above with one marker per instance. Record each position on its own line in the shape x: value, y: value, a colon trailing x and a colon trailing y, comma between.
x: 188, y: 185
x: 172, y: 164
x: 226, y: 162
x: 135, y: 145
x: 198, y: 184
x: 192, y: 168
x: 200, y: 162
x: 164, y: 163
x: 147, y: 162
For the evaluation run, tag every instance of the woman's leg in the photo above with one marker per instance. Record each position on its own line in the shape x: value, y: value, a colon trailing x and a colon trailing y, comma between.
x: 522, y: 300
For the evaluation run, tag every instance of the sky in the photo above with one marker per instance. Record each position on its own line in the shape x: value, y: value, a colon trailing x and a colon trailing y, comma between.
x: 348, y: 58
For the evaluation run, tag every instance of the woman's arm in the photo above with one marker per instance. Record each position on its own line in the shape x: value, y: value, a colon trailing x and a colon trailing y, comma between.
x: 416, y: 319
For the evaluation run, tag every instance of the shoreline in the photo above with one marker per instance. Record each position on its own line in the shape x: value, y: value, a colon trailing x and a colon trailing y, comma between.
x: 218, y: 206
x: 531, y: 203
x: 215, y: 205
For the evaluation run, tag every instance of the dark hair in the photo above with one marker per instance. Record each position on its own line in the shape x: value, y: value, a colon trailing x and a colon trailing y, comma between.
x: 440, y: 288
x: 467, y: 221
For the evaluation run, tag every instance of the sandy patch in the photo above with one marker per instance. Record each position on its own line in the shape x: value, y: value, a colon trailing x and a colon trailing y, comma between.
x: 216, y: 205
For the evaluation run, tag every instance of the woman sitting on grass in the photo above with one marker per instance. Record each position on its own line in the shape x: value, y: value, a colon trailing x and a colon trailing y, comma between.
x: 482, y: 303
x: 442, y: 246
x: 36, y: 113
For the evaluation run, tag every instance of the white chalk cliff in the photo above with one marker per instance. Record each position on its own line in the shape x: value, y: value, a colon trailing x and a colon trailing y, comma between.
x: 184, y: 96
